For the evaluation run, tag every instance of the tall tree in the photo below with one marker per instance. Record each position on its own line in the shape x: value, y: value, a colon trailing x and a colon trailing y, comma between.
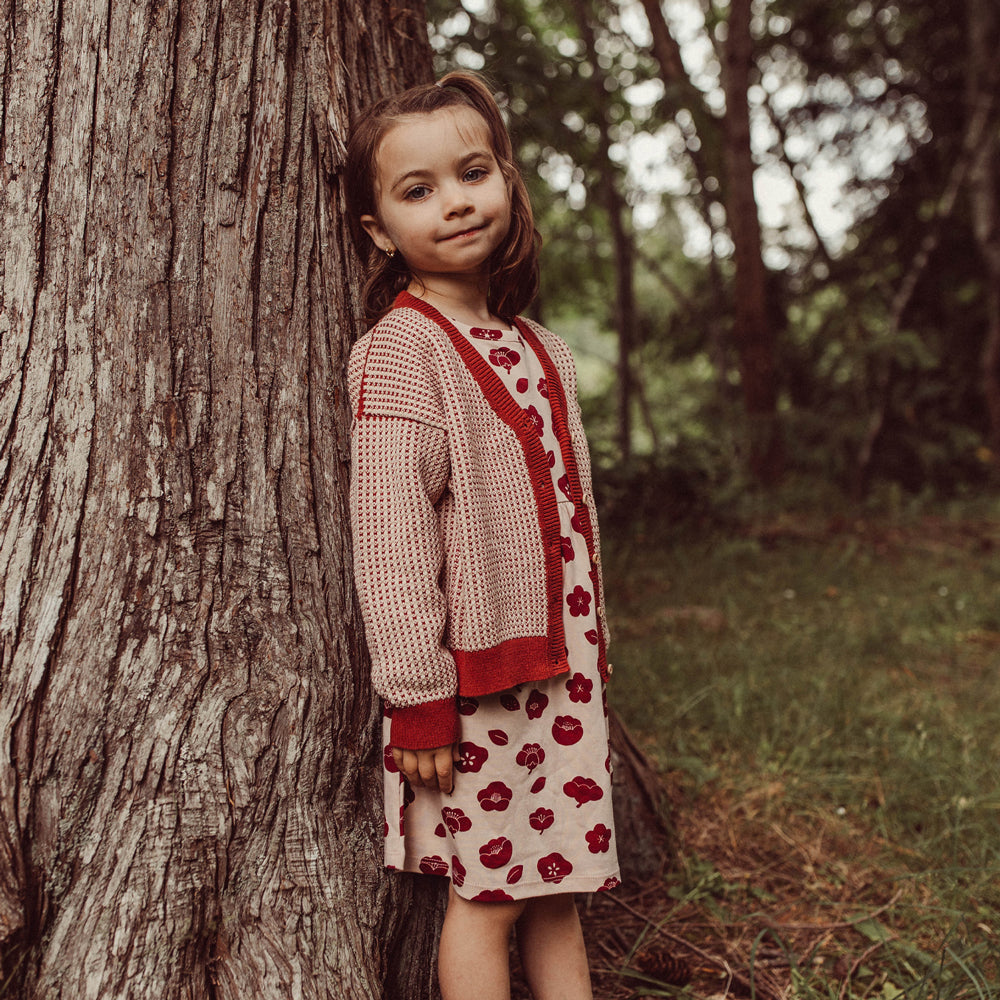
x: 751, y: 316
x: 983, y: 96
x: 189, y: 802
x: 616, y: 209
x: 752, y: 330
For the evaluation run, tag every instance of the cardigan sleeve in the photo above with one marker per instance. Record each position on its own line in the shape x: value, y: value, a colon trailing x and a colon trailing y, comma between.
x: 400, y: 470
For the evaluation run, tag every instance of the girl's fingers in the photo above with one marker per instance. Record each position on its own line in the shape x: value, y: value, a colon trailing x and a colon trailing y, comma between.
x: 443, y: 765
x: 427, y: 768
x: 408, y: 762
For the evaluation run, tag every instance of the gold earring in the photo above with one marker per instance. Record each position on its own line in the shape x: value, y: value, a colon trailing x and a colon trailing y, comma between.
x: 390, y: 252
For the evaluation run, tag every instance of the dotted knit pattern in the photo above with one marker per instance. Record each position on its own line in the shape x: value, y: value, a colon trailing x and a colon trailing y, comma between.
x: 436, y: 470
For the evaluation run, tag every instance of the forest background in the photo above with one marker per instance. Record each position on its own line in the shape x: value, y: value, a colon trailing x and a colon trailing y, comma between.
x: 852, y: 338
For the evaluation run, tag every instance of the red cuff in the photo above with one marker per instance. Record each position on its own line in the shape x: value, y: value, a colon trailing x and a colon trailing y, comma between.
x: 424, y: 727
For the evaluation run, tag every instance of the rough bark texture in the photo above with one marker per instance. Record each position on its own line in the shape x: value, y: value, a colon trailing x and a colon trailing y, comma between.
x: 751, y: 327
x: 189, y: 801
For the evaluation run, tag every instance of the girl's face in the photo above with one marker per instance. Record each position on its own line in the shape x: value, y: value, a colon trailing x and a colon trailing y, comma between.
x: 443, y: 202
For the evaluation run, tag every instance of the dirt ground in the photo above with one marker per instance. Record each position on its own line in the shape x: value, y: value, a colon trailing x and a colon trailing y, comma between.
x: 752, y: 896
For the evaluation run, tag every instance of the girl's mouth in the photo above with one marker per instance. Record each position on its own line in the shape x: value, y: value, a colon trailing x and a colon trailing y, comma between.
x: 464, y: 232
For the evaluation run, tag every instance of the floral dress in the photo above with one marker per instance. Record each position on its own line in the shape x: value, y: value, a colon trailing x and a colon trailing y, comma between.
x: 530, y: 812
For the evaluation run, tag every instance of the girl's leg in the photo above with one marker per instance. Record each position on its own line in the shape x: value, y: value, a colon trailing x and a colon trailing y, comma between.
x: 550, y: 941
x: 474, y: 953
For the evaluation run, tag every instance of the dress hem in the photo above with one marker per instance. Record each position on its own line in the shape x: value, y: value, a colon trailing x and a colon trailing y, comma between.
x: 583, y: 883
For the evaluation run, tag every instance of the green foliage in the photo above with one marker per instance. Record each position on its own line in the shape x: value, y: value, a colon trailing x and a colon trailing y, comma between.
x: 837, y: 80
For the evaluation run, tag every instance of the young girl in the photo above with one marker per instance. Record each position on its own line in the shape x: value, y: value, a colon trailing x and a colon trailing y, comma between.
x: 476, y: 548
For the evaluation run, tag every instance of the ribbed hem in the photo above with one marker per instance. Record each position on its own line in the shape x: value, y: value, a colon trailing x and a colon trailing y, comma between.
x: 517, y: 661
x: 427, y: 726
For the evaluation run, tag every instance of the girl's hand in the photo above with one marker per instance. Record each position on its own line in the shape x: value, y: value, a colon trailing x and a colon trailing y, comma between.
x: 428, y: 768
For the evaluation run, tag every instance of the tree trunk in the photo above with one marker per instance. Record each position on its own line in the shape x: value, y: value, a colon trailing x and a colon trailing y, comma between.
x: 984, y: 191
x: 752, y: 333
x: 616, y: 208
x: 751, y: 328
x: 189, y: 768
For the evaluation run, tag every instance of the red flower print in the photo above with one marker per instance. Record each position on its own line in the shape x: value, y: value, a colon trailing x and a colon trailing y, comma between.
x: 471, y: 758
x: 554, y: 868
x: 496, y: 853
x: 385, y: 828
x: 579, y: 688
x: 510, y: 702
x: 563, y: 484
x: 599, y: 839
x: 552, y: 459
x: 566, y: 730
x: 536, y: 704
x: 536, y: 418
x: 541, y: 819
x: 590, y: 635
x: 577, y: 523
x: 499, y: 737
x: 607, y: 763
x: 467, y: 706
x: 408, y: 793
x: 530, y: 756
x: 543, y: 388
x: 456, y: 820
x: 583, y: 790
x: 504, y: 357
x: 440, y: 831
x: 433, y: 865
x: 538, y: 785
x: 522, y: 385
x: 492, y: 896
x: 495, y: 797
x: 610, y: 883
x: 514, y: 875
x: 481, y: 333
x: 578, y: 601
x: 457, y: 872
x: 386, y: 710
x: 390, y: 764
x: 567, y: 548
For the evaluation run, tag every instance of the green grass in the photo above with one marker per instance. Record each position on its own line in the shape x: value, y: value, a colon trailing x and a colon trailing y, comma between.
x: 855, y: 666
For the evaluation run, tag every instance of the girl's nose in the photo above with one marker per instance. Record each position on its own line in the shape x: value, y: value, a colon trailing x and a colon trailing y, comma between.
x: 458, y: 202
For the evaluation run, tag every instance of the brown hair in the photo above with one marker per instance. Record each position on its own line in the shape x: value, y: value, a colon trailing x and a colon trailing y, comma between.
x: 513, y: 265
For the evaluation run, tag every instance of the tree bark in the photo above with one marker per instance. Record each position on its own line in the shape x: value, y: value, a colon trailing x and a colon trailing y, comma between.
x: 751, y: 328
x: 752, y: 332
x: 616, y: 209
x: 189, y: 767
x: 984, y: 192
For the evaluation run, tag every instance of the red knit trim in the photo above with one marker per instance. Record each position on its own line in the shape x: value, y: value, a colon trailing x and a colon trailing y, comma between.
x: 427, y: 726
x: 510, y: 412
x: 517, y: 661
x: 557, y: 400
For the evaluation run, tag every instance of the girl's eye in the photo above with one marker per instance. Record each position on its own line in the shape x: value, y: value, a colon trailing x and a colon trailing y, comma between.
x: 416, y: 192
x: 475, y: 173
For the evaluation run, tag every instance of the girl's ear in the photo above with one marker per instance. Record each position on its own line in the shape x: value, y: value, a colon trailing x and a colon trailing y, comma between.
x: 372, y: 227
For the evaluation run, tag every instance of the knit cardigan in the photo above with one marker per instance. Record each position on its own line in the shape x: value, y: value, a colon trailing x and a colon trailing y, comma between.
x: 457, y: 544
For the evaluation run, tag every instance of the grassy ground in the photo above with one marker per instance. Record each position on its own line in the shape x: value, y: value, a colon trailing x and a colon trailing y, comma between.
x: 821, y: 694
